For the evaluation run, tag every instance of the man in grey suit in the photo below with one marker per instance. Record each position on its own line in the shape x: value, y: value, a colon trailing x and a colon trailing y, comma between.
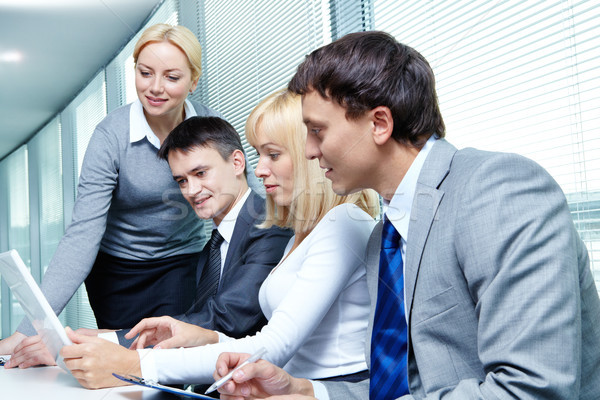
x: 489, y: 283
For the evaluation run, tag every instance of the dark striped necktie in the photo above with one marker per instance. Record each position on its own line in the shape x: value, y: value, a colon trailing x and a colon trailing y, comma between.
x: 209, y: 280
x: 389, y: 368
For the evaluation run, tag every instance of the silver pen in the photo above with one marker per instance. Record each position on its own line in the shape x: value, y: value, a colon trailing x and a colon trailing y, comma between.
x: 253, y: 358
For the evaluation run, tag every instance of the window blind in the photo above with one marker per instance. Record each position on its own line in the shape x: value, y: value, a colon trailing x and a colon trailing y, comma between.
x: 257, y: 53
x: 350, y: 16
x: 520, y: 77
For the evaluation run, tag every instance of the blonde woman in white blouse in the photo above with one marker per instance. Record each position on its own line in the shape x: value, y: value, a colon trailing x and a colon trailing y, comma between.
x: 316, y: 299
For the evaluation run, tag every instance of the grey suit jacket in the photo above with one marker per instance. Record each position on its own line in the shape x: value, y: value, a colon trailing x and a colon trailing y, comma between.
x: 251, y: 255
x: 500, y: 297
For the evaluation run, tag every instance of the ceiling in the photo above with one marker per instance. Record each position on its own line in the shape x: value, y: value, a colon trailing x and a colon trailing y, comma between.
x: 49, y: 49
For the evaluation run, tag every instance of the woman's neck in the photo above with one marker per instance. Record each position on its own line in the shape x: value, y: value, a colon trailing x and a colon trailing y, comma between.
x: 298, y: 238
x: 163, y: 125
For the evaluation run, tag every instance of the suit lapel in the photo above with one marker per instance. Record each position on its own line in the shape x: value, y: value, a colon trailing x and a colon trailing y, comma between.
x: 424, y: 208
x: 372, y: 261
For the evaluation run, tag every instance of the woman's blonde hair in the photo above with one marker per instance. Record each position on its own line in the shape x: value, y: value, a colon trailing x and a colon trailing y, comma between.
x: 279, y: 117
x: 178, y: 36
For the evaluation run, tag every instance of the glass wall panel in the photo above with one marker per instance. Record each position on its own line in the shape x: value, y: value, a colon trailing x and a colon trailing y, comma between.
x: 18, y: 218
x: 46, y: 156
x: 81, y: 117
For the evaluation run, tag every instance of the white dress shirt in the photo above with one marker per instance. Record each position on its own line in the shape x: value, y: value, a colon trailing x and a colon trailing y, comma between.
x: 227, y: 226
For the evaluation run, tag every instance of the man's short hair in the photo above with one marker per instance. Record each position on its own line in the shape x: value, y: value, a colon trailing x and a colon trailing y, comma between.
x: 202, y: 132
x: 364, y: 70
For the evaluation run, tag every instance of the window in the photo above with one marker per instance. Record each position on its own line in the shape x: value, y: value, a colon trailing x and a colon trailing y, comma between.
x: 258, y: 53
x: 45, y: 163
x: 79, y: 120
x: 16, y: 179
x: 519, y: 77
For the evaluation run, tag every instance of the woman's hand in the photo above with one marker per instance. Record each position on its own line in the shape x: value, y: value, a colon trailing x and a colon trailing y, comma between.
x: 167, y: 333
x: 259, y: 380
x: 92, y: 361
x: 25, y: 351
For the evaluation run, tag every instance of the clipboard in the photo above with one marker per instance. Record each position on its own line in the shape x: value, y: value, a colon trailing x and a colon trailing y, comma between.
x: 155, y: 385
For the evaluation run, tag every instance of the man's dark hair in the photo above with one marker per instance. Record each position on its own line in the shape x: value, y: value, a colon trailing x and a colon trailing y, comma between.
x: 364, y: 70
x: 202, y: 132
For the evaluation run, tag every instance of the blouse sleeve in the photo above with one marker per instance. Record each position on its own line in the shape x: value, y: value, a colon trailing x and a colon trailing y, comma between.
x: 334, y: 251
x: 78, y: 248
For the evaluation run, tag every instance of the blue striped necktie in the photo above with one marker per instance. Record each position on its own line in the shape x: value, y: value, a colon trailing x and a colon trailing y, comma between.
x: 389, y: 368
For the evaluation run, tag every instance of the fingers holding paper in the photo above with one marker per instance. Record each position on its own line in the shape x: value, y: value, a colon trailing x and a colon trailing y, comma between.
x: 92, y: 361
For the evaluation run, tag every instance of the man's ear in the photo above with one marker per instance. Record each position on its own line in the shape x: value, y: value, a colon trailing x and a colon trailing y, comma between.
x: 383, y: 124
x: 239, y: 161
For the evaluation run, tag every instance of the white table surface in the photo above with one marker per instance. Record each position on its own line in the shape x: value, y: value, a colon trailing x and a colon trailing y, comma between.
x: 53, y: 383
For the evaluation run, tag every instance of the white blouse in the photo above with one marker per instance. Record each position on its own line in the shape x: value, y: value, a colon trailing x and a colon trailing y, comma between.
x: 317, y: 304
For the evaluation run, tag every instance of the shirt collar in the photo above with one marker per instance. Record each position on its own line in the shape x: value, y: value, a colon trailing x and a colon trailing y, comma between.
x: 399, y: 208
x: 228, y: 223
x: 138, y: 125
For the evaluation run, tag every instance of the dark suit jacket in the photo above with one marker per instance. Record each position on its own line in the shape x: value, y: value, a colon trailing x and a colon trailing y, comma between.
x: 252, y: 254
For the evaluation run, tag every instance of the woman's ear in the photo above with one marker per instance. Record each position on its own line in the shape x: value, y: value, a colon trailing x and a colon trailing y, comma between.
x: 383, y: 124
x: 239, y: 161
x: 194, y: 85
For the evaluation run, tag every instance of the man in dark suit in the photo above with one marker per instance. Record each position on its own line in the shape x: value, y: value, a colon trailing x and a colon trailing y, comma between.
x: 207, y: 160
x: 480, y: 285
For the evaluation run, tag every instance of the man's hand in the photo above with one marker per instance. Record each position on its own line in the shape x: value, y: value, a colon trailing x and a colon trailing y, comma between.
x: 92, y: 361
x: 28, y: 351
x: 167, y: 333
x: 259, y: 380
